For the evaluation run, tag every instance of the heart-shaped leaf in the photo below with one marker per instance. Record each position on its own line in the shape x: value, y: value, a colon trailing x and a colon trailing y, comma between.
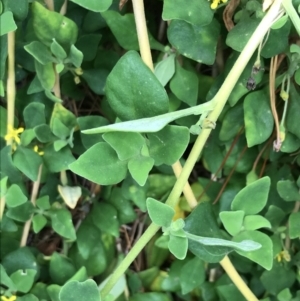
x: 160, y: 213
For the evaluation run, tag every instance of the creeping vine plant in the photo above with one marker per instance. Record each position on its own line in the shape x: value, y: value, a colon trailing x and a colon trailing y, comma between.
x: 102, y: 103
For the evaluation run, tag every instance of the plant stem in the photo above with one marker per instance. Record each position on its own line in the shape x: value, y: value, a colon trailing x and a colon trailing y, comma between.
x: 10, y: 87
x: 34, y: 193
x: 133, y: 253
x: 290, y: 10
x: 220, y: 101
x: 141, y: 26
x: 142, y: 32
x: 236, y: 279
x: 10, y: 96
x: 187, y: 189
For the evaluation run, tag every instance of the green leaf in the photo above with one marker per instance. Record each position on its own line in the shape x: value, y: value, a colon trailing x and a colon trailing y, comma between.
x: 27, y: 137
x: 49, y: 25
x: 23, y: 279
x: 105, y: 218
x: 34, y: 115
x: 64, y: 115
x: 290, y: 144
x: 96, y: 79
x: 53, y: 292
x: 259, y: 121
x: 126, y: 212
x: 19, y: 8
x: 293, y: 108
x: 168, y: 145
x: 57, y: 161
x: 294, y: 225
x: 3, y: 118
x: 160, y: 213
x: 297, y: 77
x: 87, y: 122
x: 285, y: 295
x: 124, y: 29
x: 5, y: 279
x: 127, y: 145
x: 238, y: 37
x: 133, y: 91
x: 8, y: 225
x: 139, y: 168
x: 22, y: 213
x: 27, y: 161
x: 197, y: 12
x: 28, y: 297
x: 45, y: 74
x: 88, y: 45
x: 58, y: 51
x: 7, y: 166
x: 254, y: 222
x: 286, y: 279
x: 253, y: 198
x: 15, y: 196
x: 245, y: 245
x: 43, y: 202
x: 272, y: 47
x: 59, y: 129
x: 202, y: 222
x: 93, y: 21
x: 74, y: 290
x: 94, y: 5
x: 184, y: 85
x: 178, y: 246
x: 165, y: 69
x: 188, y: 39
x: 192, y: 275
x: 280, y: 22
x: 151, y: 296
x: 61, y: 221
x: 3, y: 187
x: 40, y: 52
x: 60, y: 269
x: 232, y: 221
x: 7, y: 23
x: 38, y: 223
x: 232, y: 122
x: 262, y: 256
x: 75, y: 56
x: 228, y: 292
x: 20, y: 259
x: 3, y: 57
x: 88, y: 234
x: 80, y: 275
x: 288, y: 190
x: 35, y: 86
x: 97, y: 261
x: 100, y: 164
x: 275, y: 216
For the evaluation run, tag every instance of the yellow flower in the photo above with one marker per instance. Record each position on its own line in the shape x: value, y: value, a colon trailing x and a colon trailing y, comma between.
x: 283, y: 255
x: 11, y: 298
x: 215, y: 3
x: 13, y: 134
x: 36, y: 149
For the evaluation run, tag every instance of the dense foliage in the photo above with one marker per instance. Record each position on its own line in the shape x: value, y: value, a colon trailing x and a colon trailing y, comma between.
x: 99, y: 109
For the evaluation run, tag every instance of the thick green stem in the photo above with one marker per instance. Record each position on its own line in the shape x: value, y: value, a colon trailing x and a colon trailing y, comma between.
x: 290, y: 10
x: 220, y: 101
x: 133, y: 253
